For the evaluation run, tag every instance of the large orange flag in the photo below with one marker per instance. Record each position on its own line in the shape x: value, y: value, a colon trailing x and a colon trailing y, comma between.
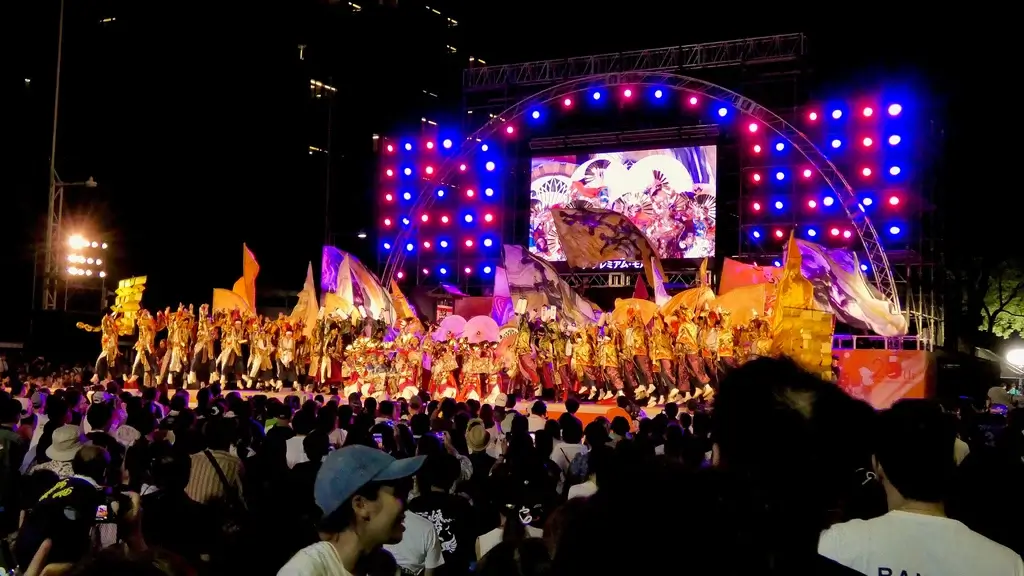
x: 250, y: 269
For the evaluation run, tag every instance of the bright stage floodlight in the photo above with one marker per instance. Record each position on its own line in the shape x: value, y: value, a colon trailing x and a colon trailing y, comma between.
x: 1015, y: 357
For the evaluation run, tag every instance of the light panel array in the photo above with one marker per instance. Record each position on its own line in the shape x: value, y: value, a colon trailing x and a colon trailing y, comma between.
x: 457, y: 237
x: 867, y: 140
x: 85, y: 257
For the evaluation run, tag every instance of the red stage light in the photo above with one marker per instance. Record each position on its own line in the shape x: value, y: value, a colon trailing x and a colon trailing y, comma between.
x: 488, y: 217
x: 389, y: 197
x: 567, y: 102
x: 779, y: 234
x: 866, y: 171
x: 868, y: 112
x: 430, y: 145
x: 462, y: 167
x: 389, y: 172
x: 426, y: 244
x: 752, y: 127
x: 387, y: 221
x: 470, y: 193
x: 834, y: 231
x: 812, y: 204
x: 469, y: 243
x: 812, y: 116
x: 894, y: 200
x: 846, y: 234
x: 444, y: 219
x: 426, y: 271
x: 868, y: 141
x: 807, y: 173
x: 757, y: 206
x: 627, y: 93
x: 391, y: 148
x: 424, y: 218
x: 509, y: 130
x: 467, y: 270
x: 757, y: 148
x: 757, y: 177
x: 693, y: 100
x: 400, y: 275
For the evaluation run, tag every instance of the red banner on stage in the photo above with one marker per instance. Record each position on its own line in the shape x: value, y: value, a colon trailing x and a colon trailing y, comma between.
x: 881, y: 377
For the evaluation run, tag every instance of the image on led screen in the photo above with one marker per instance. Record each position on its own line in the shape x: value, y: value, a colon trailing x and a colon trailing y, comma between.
x: 669, y: 193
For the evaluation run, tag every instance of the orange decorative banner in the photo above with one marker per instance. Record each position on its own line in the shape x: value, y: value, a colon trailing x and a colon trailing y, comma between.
x: 881, y: 377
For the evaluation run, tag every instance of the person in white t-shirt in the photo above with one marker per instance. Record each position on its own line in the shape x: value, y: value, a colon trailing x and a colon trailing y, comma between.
x: 915, y: 463
x: 303, y: 423
x: 361, y: 492
x: 419, y: 552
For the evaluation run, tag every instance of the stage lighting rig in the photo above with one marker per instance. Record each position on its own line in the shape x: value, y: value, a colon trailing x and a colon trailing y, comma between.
x: 86, y: 257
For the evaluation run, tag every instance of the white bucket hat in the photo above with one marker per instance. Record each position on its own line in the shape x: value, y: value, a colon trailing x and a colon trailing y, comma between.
x: 67, y: 441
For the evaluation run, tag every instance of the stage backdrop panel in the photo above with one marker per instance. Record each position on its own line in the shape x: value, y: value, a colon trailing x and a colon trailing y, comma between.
x: 881, y: 377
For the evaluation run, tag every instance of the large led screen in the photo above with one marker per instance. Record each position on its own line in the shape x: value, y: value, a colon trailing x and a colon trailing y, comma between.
x: 669, y: 193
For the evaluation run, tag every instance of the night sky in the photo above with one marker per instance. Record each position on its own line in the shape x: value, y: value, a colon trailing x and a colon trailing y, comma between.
x: 186, y: 119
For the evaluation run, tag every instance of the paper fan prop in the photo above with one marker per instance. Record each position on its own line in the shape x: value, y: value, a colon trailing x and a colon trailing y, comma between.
x: 601, y: 173
x: 636, y: 206
x: 705, y: 207
x: 454, y: 324
x: 660, y: 172
x: 481, y: 329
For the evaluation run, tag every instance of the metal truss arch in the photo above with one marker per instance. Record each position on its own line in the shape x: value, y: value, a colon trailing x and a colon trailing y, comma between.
x: 855, y: 212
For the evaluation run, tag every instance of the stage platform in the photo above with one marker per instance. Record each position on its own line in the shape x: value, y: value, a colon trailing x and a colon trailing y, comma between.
x: 587, y: 413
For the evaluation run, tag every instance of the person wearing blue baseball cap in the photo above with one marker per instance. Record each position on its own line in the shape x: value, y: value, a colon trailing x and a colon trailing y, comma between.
x: 361, y: 492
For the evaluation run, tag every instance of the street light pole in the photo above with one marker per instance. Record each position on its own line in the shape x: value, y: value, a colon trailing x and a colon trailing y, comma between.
x: 53, y: 214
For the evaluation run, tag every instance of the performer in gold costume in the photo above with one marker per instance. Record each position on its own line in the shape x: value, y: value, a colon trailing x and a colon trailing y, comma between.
x: 726, y: 341
x: 260, y: 367
x: 609, y: 362
x: 707, y: 340
x: 763, y: 344
x: 107, y: 360
x: 474, y: 366
x: 562, y: 355
x: 287, y: 374
x: 442, y: 366
x: 495, y: 366
x: 636, y: 354
x: 230, y: 363
x: 145, y: 364
x: 179, y: 335
x: 746, y: 342
x: 408, y: 358
x: 661, y: 356
x: 583, y: 362
x: 688, y: 361
x: 202, y: 352
x: 528, y: 380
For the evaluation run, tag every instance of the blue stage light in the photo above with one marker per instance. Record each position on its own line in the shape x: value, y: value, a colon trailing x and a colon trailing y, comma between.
x: 489, y: 166
x: 597, y: 95
x: 408, y: 146
x: 756, y: 233
x: 483, y: 147
x: 405, y: 221
x: 864, y: 267
x: 895, y: 109
x: 828, y: 201
x: 777, y: 264
x: 837, y: 114
x: 409, y: 247
x: 487, y: 269
x: 407, y: 171
x: 387, y: 246
x: 442, y: 270
x: 867, y: 201
x: 836, y: 143
x: 812, y: 232
x: 468, y: 218
x: 778, y: 203
x: 894, y: 139
x: 535, y: 114
x: 722, y: 112
x: 407, y: 196
x: 894, y: 230
x: 658, y: 93
x: 780, y: 176
x: 447, y: 143
x: 488, y: 242
x: 440, y: 193
x: 895, y: 170
x: 780, y: 146
x: 488, y: 192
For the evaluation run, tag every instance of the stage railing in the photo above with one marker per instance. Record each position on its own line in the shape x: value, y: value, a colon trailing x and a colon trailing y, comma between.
x: 866, y: 342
